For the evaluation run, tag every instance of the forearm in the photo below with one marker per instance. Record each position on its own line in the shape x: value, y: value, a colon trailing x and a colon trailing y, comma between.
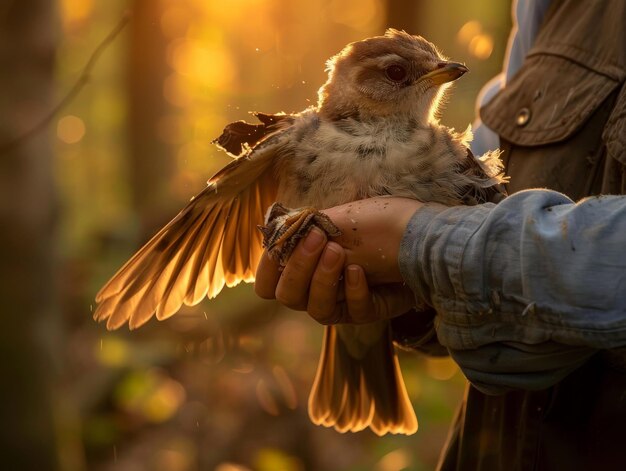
x: 534, y: 269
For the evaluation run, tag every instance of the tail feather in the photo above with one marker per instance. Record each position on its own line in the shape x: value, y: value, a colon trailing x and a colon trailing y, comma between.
x: 351, y: 394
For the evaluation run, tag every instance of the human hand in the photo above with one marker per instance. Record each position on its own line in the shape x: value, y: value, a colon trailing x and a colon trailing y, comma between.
x: 366, y: 254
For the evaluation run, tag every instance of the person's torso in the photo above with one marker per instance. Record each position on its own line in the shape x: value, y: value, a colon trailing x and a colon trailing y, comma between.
x: 562, y: 125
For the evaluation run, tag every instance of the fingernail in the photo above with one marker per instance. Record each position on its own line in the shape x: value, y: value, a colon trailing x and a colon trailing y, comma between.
x: 313, y: 240
x: 352, y: 276
x: 330, y: 257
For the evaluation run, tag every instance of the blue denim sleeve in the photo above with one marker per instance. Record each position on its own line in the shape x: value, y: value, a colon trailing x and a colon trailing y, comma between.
x: 526, y: 290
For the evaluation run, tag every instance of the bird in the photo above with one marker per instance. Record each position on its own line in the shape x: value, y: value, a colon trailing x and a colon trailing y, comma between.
x: 373, y: 132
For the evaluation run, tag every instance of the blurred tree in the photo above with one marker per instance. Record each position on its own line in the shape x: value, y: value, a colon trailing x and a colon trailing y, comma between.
x: 28, y: 35
x: 151, y: 158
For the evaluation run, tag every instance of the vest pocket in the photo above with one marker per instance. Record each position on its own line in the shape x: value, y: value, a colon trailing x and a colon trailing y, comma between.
x: 548, y: 100
x: 551, y: 118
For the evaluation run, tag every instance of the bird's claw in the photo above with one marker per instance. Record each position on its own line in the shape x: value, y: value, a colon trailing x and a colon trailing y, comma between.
x: 284, y: 227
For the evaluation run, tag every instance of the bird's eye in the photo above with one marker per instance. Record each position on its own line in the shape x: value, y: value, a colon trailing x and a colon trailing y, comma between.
x: 397, y: 73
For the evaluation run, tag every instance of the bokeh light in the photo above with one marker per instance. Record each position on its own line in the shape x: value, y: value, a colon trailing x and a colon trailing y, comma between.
x: 70, y: 129
x: 175, y: 455
x: 441, y: 369
x: 112, y: 351
x: 468, y: 31
x: 231, y: 467
x: 481, y: 46
x: 151, y: 395
x: 75, y: 12
x: 394, y: 461
x: 478, y: 42
x: 272, y: 459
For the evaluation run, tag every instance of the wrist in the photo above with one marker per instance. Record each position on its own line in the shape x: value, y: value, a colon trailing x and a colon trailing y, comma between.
x: 372, y: 231
x: 415, y: 251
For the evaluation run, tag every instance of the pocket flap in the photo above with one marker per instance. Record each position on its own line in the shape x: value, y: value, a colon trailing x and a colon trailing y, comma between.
x: 548, y: 100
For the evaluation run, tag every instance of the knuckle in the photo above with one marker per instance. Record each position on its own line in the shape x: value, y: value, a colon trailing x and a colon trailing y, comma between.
x: 325, y: 282
x: 301, y: 259
x: 298, y: 263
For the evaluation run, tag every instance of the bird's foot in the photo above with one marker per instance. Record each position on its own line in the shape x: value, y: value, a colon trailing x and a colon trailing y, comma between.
x: 284, y: 227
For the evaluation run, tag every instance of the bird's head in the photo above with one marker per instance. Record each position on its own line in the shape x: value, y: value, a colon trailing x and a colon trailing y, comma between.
x: 397, y: 74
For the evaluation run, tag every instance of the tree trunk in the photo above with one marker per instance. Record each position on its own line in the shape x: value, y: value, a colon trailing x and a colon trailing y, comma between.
x: 151, y: 158
x: 27, y: 207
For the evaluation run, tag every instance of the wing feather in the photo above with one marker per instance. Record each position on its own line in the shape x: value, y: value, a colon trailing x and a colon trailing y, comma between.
x: 488, y: 170
x: 232, y: 270
x: 211, y: 243
x: 171, y: 292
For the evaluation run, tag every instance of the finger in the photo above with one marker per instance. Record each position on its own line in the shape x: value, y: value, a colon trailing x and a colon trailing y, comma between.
x: 267, y: 276
x: 360, y: 306
x: 383, y: 302
x: 325, y: 284
x: 292, y: 289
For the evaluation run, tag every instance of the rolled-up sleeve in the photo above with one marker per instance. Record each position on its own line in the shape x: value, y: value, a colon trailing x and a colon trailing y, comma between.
x: 524, y: 290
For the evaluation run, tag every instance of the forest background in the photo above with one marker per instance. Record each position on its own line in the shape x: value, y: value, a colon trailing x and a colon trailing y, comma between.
x: 107, y: 113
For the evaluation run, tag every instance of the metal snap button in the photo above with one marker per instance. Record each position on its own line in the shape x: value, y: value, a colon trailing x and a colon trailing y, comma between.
x: 523, y: 116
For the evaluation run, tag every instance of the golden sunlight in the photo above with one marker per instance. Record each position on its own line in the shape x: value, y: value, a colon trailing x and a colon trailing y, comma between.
x: 362, y: 15
x: 175, y: 21
x: 206, y: 64
x: 133, y: 147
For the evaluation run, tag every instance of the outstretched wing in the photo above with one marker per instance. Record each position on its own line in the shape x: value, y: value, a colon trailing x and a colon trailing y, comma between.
x: 212, y: 242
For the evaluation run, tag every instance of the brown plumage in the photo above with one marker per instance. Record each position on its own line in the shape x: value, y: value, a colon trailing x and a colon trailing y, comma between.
x: 373, y: 132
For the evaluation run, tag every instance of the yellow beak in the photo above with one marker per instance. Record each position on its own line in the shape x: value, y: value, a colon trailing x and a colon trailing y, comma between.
x: 445, y: 72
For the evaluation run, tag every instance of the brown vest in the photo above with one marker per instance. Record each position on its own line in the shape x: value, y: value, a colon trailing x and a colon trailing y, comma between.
x: 562, y: 124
